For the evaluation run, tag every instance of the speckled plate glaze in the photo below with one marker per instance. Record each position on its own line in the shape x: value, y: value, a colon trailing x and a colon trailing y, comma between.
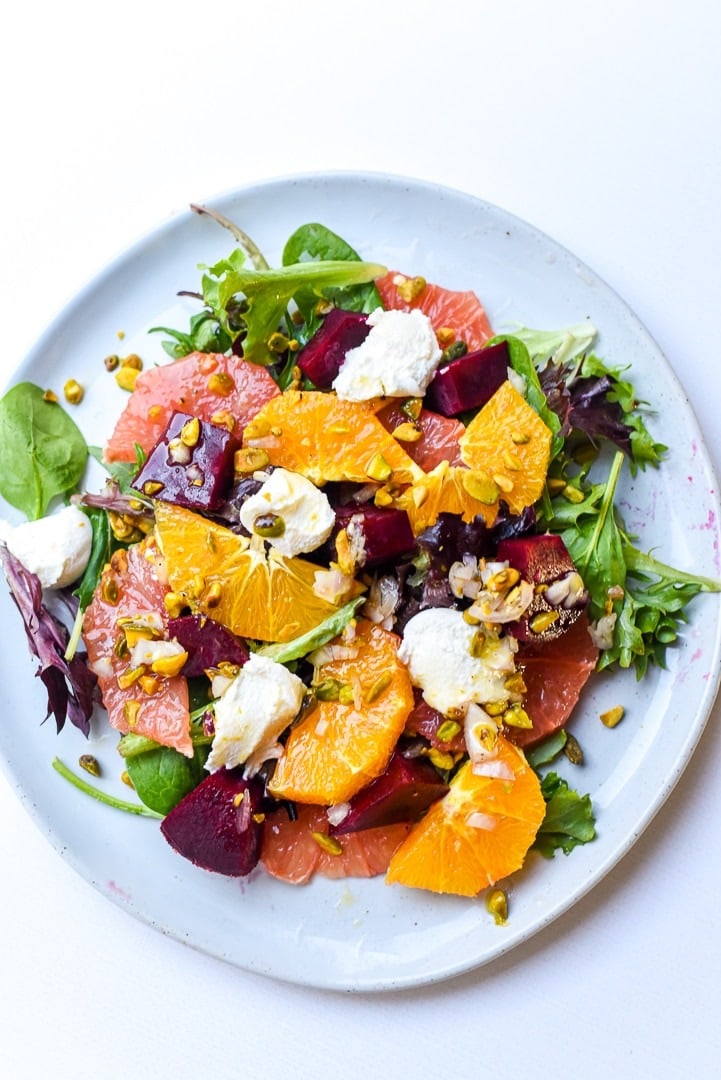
x: 363, y: 935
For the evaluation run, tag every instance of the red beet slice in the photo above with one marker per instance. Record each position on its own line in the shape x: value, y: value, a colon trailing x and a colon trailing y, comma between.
x: 207, y: 644
x: 382, y: 533
x: 215, y: 825
x: 321, y: 358
x: 470, y: 381
x: 197, y: 476
x: 401, y: 793
x: 539, y: 558
x: 542, y: 559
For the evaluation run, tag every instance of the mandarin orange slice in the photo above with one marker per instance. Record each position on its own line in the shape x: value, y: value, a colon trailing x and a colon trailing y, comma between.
x: 340, y: 747
x: 449, y: 489
x: 323, y: 438
x: 508, y: 441
x: 231, y: 578
x: 477, y: 834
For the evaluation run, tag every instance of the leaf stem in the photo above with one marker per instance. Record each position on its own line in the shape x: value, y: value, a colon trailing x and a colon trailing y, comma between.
x: 95, y: 793
x: 250, y: 248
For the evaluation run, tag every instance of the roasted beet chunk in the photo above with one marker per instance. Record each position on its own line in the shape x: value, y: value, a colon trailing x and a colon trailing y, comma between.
x: 376, y: 534
x: 321, y: 359
x: 207, y: 644
x: 470, y: 381
x: 190, y: 465
x: 215, y: 825
x: 401, y: 793
x: 560, y: 595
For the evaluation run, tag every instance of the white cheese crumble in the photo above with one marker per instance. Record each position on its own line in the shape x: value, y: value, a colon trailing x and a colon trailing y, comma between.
x: 56, y: 548
x: 398, y: 358
x: 306, y: 514
x: 438, y: 649
x: 257, y: 706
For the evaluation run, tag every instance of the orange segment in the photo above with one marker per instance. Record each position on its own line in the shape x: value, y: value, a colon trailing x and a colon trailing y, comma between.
x: 292, y: 853
x: 475, y: 835
x: 449, y: 489
x: 207, y: 385
x: 339, y: 748
x: 508, y: 441
x: 462, y: 313
x: 230, y: 578
x: 324, y: 438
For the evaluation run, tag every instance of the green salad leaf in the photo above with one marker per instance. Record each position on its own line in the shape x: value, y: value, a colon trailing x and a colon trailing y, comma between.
x: 266, y: 294
x: 43, y: 451
x: 569, y: 819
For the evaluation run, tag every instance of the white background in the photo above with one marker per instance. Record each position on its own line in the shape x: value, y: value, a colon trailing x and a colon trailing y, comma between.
x: 597, y: 122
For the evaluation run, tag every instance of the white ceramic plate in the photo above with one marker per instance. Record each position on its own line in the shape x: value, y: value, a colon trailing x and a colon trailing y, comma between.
x: 363, y: 935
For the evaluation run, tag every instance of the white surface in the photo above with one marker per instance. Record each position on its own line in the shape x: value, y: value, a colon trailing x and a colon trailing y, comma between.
x: 599, y: 125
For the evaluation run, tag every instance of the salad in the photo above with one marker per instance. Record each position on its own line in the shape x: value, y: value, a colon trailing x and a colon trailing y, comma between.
x: 356, y: 556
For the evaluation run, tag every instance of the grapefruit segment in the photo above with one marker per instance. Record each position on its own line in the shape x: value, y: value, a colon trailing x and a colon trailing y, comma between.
x: 555, y: 673
x: 205, y: 385
x: 292, y: 853
x: 439, y: 436
x: 458, y: 311
x: 130, y: 586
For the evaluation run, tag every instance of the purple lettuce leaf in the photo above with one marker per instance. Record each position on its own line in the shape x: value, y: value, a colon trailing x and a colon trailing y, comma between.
x: 71, y: 686
x: 585, y: 406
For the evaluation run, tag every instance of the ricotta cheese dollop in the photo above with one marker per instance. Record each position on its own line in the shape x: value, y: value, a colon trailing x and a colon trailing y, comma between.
x: 255, y: 708
x: 449, y: 664
x: 398, y: 358
x: 56, y: 547
x: 304, y: 516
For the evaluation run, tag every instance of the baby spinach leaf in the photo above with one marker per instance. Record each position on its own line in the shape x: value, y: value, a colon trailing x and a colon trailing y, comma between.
x: 319, y: 243
x: 162, y: 776
x: 43, y: 450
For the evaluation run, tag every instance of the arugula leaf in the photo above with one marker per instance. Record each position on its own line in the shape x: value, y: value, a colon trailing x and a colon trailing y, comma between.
x: 204, y: 335
x: 651, y: 611
x: 269, y: 292
x: 317, y: 242
x: 648, y: 612
x: 569, y: 819
x: 43, y: 451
